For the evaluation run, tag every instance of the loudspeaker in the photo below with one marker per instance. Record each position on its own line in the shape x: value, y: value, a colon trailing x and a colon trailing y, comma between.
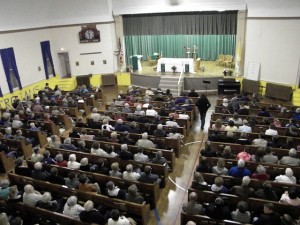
x: 187, y: 68
x: 163, y: 67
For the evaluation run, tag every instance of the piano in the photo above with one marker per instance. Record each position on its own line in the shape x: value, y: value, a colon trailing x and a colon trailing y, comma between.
x: 229, y: 86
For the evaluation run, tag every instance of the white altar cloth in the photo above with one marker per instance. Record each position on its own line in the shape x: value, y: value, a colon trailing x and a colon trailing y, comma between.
x: 178, y: 62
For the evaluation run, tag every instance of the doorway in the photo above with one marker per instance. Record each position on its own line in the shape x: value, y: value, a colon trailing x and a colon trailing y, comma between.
x: 64, y: 62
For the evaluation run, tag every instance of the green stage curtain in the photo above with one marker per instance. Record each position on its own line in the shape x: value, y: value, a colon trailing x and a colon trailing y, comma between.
x: 175, y: 46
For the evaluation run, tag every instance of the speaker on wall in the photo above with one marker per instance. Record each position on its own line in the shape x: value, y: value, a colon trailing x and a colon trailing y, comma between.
x: 162, y: 67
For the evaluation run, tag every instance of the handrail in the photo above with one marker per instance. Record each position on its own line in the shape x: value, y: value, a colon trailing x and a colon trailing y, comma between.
x: 180, y: 77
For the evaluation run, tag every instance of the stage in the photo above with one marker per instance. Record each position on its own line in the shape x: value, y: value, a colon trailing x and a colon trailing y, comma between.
x: 209, y: 71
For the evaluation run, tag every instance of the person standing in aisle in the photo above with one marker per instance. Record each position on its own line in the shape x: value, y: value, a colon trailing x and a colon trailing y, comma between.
x: 203, y: 105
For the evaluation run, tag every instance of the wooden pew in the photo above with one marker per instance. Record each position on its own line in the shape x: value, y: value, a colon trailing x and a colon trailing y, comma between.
x: 141, y: 212
x: 44, y: 215
x: 167, y: 142
x: 190, y: 113
x: 200, y: 219
x: 229, y: 182
x: 149, y: 191
x: 8, y: 163
x: 271, y: 168
x: 15, y: 145
x: 183, y: 123
x: 51, y: 128
x: 252, y: 136
x: 161, y: 170
x: 168, y: 154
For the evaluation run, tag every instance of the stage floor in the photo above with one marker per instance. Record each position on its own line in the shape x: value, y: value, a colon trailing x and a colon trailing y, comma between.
x: 211, y: 69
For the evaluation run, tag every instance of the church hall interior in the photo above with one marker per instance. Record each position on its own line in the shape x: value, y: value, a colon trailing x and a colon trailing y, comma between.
x: 85, y: 101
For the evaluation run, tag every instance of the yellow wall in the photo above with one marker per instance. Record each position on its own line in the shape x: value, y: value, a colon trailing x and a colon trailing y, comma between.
x: 123, y: 79
x: 96, y: 80
x: 28, y: 90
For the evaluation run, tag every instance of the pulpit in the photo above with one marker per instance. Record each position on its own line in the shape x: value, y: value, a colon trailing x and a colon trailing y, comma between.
x: 136, y: 62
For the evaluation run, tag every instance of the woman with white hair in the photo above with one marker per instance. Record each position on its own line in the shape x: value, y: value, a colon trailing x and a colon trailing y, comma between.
x: 96, y: 150
x: 287, y: 177
x: 144, y: 142
x: 47, y: 203
x: 260, y: 173
x: 72, y: 164
x: 68, y: 144
x: 72, y: 209
x: 243, y: 191
x: 31, y: 196
x: 91, y: 215
x: 17, y: 123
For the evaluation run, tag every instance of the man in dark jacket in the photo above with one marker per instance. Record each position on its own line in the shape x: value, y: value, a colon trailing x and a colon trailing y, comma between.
x: 203, y: 105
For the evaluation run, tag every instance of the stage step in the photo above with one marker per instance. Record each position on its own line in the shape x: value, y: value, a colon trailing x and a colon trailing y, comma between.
x: 170, y: 83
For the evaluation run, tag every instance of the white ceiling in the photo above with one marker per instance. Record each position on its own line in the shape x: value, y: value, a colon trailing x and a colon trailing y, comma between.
x: 24, y: 14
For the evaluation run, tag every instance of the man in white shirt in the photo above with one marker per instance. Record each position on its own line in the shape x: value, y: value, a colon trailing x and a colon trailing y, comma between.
x: 271, y: 131
x: 172, y: 123
x: 129, y: 174
x: 260, y: 141
x: 140, y: 156
x: 150, y: 111
x: 245, y: 128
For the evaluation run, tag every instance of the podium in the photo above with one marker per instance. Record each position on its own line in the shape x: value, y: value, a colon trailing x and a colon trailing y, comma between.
x: 136, y: 62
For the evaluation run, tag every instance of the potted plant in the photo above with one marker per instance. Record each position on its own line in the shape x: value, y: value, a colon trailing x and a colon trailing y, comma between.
x: 174, y: 68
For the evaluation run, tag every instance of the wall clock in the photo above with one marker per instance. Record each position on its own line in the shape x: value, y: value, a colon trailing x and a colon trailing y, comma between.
x: 89, y: 33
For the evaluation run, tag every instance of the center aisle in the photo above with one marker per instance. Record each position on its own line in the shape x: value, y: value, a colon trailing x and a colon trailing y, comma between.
x: 175, y: 193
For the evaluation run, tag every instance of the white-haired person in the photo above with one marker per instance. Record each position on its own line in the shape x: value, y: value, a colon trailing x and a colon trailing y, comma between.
x: 33, y: 127
x: 290, y: 160
x: 91, y: 215
x: 260, y: 173
x: 95, y: 116
x: 239, y: 170
x: 38, y: 173
x: 129, y: 174
x: 31, y: 196
x: 160, y: 132
x: 68, y: 144
x: 72, y: 164
x: 106, y: 125
x: 96, y: 150
x: 17, y: 123
x: 124, y: 153
x: 72, y: 209
x: 47, y: 203
x: 288, y: 177
x: 244, y: 191
x: 145, y: 142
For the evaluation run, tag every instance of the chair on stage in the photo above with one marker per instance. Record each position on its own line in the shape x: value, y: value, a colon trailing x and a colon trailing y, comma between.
x: 220, y: 59
x: 228, y: 60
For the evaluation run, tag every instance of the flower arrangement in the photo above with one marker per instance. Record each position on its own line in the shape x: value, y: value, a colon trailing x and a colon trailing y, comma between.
x: 174, y: 68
